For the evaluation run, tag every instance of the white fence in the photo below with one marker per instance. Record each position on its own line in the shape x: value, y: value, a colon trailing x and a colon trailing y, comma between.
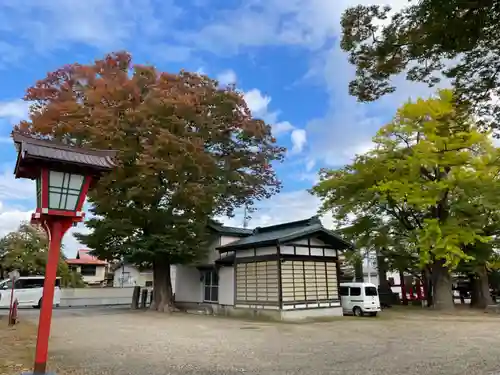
x: 96, y: 297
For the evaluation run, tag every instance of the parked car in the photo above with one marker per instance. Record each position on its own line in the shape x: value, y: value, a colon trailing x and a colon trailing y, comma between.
x: 359, y: 299
x: 28, y: 291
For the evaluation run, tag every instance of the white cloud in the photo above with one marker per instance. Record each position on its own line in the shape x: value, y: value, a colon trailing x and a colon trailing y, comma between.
x: 70, y: 243
x: 12, y: 188
x: 10, y: 219
x: 46, y: 26
x: 258, y: 104
x: 299, y: 140
x: 282, y: 127
x: 347, y: 126
x: 227, y: 77
x: 310, y: 165
x: 282, y: 208
x: 14, y: 111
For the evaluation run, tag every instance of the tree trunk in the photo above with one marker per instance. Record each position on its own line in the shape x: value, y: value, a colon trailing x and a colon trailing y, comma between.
x: 384, y: 286
x: 427, y: 281
x: 162, y: 286
x: 480, y: 289
x: 358, y: 271
x: 442, y: 286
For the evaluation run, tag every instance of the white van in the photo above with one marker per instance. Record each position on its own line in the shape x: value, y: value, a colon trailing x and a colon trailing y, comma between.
x: 28, y: 291
x: 359, y: 299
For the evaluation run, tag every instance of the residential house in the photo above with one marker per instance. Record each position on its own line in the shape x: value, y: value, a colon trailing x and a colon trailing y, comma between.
x: 127, y: 275
x: 93, y: 270
x: 287, y: 272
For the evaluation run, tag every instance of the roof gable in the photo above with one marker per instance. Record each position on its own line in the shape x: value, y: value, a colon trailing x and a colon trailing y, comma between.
x: 84, y: 257
x: 287, y: 232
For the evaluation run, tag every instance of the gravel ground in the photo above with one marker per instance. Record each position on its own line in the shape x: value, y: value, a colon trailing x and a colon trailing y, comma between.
x: 148, y: 343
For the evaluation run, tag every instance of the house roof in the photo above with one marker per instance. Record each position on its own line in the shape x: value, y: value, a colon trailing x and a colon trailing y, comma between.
x: 231, y: 231
x: 287, y: 232
x: 84, y: 257
x: 32, y: 150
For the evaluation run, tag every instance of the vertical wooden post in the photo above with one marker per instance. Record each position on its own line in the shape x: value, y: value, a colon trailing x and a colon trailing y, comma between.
x: 135, y: 297
x: 144, y: 298
x: 403, y: 288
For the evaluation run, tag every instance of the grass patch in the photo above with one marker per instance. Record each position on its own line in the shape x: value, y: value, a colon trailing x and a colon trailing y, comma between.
x: 17, y: 348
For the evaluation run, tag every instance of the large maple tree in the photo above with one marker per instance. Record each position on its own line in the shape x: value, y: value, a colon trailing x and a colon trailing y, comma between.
x: 188, y: 149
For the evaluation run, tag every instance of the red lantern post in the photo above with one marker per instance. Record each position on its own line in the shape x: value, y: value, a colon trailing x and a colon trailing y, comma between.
x: 63, y: 177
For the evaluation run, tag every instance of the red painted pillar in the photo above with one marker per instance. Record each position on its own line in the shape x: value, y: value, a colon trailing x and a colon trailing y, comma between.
x: 419, y: 290
x: 56, y: 228
x: 403, y: 288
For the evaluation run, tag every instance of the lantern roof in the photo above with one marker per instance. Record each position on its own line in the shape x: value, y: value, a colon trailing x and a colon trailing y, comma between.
x: 34, y: 153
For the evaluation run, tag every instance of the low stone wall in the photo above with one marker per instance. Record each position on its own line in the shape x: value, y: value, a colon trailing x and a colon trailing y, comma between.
x: 95, y: 297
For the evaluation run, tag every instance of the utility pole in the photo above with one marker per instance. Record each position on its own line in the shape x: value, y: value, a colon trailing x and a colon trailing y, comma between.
x: 245, y: 217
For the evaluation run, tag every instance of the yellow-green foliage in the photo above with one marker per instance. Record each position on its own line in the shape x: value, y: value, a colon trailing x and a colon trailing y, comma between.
x: 427, y: 169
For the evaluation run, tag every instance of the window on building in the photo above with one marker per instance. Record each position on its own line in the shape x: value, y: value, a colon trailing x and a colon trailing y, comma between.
x: 149, y: 284
x: 88, y: 270
x: 211, y: 286
x: 355, y: 291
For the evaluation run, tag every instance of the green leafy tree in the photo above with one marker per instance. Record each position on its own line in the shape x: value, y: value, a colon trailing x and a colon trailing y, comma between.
x: 422, y: 163
x: 480, y: 208
x: 427, y: 39
x: 188, y: 149
x: 26, y: 249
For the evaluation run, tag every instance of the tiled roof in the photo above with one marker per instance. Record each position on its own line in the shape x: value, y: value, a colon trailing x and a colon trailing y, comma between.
x: 235, y: 231
x: 96, y: 262
x: 39, y: 149
x: 287, y: 232
x: 83, y: 257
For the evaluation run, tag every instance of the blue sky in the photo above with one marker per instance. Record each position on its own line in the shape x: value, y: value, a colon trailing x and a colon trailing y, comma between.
x: 283, y: 54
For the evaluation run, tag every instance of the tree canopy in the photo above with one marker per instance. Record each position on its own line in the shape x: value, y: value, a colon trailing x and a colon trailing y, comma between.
x: 423, y: 189
x: 188, y: 149
x: 428, y: 40
x: 26, y: 250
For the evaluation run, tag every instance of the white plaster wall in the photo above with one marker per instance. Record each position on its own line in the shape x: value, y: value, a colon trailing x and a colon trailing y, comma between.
x: 288, y: 249
x: 96, y: 296
x: 188, y: 287
x: 267, y: 250
x: 100, y: 275
x: 226, y: 286
x: 212, y: 253
x: 127, y: 282
x: 224, y: 240
x: 173, y: 276
x: 244, y: 253
x: 314, y: 241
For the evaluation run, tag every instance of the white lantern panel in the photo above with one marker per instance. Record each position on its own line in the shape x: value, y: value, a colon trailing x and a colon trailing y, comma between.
x: 64, y: 190
x: 75, y: 182
x: 71, y: 202
x: 56, y: 179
